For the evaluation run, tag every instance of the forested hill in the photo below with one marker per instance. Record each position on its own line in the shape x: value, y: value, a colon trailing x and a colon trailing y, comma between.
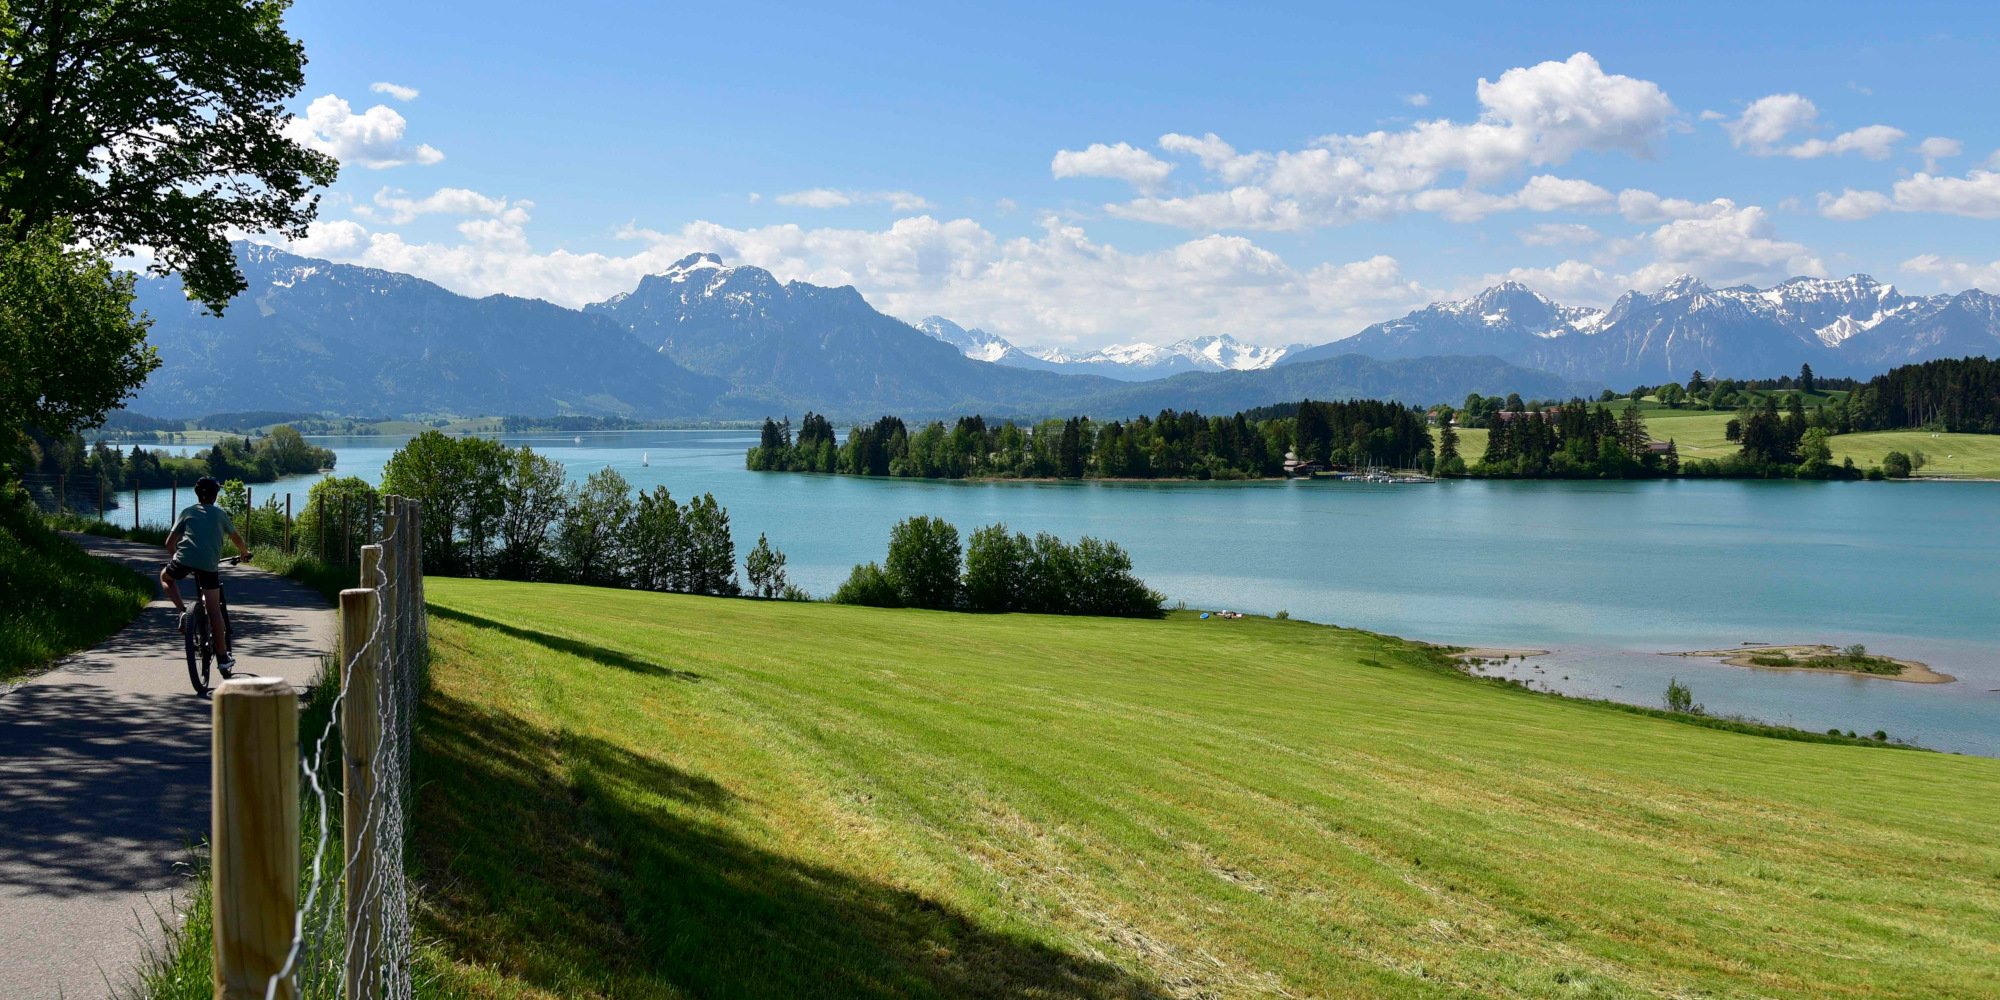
x: 793, y: 346
x: 308, y: 335
x: 1415, y: 381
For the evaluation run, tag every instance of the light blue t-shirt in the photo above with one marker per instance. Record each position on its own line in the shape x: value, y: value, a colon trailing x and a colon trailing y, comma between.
x: 203, y: 529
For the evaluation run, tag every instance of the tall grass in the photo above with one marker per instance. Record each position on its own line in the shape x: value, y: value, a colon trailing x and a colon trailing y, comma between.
x: 54, y: 597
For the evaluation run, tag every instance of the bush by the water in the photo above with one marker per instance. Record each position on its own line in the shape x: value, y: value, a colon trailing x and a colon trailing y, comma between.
x: 999, y: 570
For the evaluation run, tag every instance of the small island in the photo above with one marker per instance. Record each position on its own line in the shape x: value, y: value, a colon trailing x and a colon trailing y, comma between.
x: 1822, y: 658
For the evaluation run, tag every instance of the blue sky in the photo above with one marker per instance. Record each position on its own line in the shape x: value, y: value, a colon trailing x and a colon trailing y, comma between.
x: 1088, y: 174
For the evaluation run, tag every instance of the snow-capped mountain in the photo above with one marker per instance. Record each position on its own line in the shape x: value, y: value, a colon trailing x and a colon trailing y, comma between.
x: 1136, y: 362
x: 1841, y: 326
x: 975, y: 344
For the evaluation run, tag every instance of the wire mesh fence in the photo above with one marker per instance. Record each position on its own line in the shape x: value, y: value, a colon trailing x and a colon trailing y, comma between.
x: 331, y: 524
x: 347, y: 934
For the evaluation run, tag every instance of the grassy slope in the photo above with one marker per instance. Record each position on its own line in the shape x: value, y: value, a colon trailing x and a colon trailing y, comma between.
x: 55, y: 599
x: 648, y: 795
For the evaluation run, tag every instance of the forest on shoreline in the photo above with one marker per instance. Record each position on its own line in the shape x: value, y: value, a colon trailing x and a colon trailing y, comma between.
x: 1779, y: 436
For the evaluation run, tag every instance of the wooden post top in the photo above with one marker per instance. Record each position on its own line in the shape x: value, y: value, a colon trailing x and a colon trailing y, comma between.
x: 256, y: 687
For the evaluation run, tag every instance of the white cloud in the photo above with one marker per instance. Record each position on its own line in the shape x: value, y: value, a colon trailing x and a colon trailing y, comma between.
x: 1123, y: 161
x: 1938, y: 148
x: 1005, y: 206
x: 1976, y: 195
x: 1647, y: 207
x: 396, y: 91
x: 900, y: 201
x: 1571, y: 282
x: 1550, y: 234
x: 1875, y: 142
x: 1542, y: 193
x: 1217, y: 157
x: 1850, y: 204
x: 372, y: 139
x: 1955, y: 275
x: 395, y: 207
x: 1419, y: 100
x: 1533, y: 116
x: 1060, y: 287
x: 1737, y: 246
x: 1768, y: 121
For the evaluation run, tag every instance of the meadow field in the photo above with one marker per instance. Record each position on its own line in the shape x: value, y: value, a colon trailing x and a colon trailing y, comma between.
x: 646, y: 795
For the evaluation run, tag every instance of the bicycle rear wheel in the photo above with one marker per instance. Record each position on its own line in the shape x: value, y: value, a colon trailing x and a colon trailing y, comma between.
x: 199, y: 652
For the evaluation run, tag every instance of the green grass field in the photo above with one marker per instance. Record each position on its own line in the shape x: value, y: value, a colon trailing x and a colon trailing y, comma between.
x: 641, y: 795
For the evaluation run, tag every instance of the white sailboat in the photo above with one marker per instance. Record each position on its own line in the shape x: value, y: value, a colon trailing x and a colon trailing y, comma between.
x: 643, y: 461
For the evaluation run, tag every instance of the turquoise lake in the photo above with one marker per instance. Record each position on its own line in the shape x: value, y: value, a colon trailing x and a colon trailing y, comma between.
x: 1605, y: 575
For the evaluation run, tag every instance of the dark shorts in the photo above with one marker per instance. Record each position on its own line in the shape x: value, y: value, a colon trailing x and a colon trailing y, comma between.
x: 206, y: 579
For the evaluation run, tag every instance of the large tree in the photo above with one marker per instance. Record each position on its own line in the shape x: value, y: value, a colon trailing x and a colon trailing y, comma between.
x: 155, y: 124
x: 69, y: 347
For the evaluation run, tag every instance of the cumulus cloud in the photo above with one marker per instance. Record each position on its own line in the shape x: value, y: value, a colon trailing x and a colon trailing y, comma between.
x: 1737, y: 245
x: 371, y: 139
x: 396, y: 207
x: 1571, y: 282
x: 1953, y: 274
x: 1763, y: 127
x: 1976, y: 195
x: 1418, y: 100
x: 396, y: 91
x: 1938, y: 148
x: 1540, y: 115
x: 1057, y: 287
x: 1217, y: 157
x: 1123, y: 161
x: 1550, y: 234
x: 1647, y: 207
x: 1850, y: 204
x: 900, y: 201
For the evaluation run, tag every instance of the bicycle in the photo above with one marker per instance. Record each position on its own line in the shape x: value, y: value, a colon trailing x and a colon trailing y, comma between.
x: 200, y: 644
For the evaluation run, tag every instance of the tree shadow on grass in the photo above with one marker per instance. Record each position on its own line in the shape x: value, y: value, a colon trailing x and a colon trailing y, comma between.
x: 574, y: 647
x: 545, y: 866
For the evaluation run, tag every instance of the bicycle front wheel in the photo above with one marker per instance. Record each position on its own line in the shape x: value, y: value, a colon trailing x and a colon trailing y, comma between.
x: 199, y: 654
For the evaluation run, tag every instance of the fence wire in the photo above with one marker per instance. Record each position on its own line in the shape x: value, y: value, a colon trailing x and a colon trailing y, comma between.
x: 323, y: 950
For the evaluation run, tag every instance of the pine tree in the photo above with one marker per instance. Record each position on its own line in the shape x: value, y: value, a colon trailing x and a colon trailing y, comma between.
x: 1805, y: 378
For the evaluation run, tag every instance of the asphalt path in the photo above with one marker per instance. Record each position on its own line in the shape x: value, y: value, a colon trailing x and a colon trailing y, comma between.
x: 104, y: 780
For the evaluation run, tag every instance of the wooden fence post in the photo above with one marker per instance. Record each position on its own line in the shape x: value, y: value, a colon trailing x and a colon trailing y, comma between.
x: 62, y: 491
x: 346, y: 535
x: 135, y: 504
x: 254, y: 834
x: 249, y: 517
x: 100, y: 501
x: 361, y: 739
x: 288, y: 523
x: 173, y: 504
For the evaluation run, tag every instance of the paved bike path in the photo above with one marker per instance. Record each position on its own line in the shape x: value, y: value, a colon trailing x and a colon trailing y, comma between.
x: 104, y: 780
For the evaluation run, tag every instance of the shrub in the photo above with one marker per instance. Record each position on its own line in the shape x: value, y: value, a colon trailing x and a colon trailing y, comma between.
x: 1681, y: 699
x: 870, y: 586
x: 1896, y: 465
x: 995, y: 567
x: 923, y: 562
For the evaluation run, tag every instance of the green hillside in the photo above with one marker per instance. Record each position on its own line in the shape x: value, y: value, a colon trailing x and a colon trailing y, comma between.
x: 645, y: 795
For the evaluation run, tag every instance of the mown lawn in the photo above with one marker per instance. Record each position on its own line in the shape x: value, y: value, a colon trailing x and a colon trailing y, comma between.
x: 1961, y: 454
x: 643, y: 795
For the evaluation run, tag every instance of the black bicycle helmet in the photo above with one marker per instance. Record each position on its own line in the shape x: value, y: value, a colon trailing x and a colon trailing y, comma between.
x: 206, y: 488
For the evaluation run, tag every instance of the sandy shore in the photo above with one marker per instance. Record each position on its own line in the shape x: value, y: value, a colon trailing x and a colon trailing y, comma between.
x: 1490, y: 653
x: 1913, y: 672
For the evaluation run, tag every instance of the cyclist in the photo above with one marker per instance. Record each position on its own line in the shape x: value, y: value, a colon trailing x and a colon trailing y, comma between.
x: 196, y: 547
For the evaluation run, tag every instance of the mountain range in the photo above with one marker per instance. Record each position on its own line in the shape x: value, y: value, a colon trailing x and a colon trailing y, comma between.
x: 700, y: 340
x: 1853, y: 326
x: 1136, y: 362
